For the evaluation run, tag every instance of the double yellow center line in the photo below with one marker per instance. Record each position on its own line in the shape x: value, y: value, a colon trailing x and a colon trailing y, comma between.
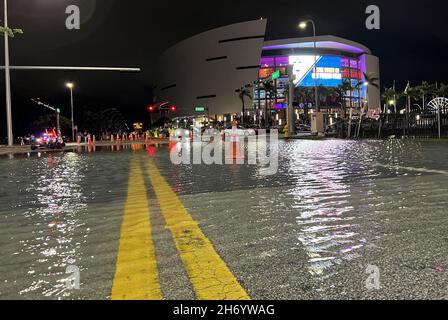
x: 137, y: 275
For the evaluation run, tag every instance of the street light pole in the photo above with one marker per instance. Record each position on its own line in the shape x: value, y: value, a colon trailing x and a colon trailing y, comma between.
x: 303, y: 26
x: 316, y: 93
x: 8, y: 80
x: 70, y: 86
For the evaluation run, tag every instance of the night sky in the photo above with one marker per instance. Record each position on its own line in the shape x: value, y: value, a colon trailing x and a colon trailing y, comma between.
x: 412, y: 44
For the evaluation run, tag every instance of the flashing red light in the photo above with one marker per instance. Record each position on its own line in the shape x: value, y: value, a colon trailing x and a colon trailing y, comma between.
x: 173, y: 108
x: 151, y: 108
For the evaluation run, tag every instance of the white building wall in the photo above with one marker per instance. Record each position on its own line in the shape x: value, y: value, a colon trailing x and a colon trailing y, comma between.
x: 184, y: 74
x: 372, y: 66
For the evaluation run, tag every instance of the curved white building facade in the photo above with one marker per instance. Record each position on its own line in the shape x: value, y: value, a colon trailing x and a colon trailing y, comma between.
x: 205, y: 70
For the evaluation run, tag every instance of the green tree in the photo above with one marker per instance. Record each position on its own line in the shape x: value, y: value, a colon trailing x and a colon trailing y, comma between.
x: 426, y: 89
x: 244, y: 92
x: 270, y: 91
x: 304, y: 95
x: 390, y: 96
x: 343, y: 88
x: 11, y: 32
x: 443, y: 90
x: 49, y: 121
x: 370, y: 79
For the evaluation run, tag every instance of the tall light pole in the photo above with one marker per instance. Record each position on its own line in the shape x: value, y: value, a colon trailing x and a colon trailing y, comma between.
x: 303, y: 26
x: 8, y: 80
x: 71, y: 85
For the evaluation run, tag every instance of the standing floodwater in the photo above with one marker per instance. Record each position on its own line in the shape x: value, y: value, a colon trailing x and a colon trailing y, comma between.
x: 309, y: 232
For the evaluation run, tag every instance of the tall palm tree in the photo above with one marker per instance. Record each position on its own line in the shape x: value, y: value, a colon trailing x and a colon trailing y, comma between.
x: 323, y: 93
x: 426, y: 89
x: 269, y: 90
x: 369, y: 80
x: 244, y: 92
x: 389, y: 95
x: 443, y: 90
x: 343, y: 88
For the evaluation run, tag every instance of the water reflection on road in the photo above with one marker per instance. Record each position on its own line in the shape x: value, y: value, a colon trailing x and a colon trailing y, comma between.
x: 331, y: 201
x: 322, y: 199
x: 56, y: 206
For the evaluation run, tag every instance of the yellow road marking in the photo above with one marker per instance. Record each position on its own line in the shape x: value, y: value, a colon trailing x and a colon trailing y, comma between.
x: 209, y: 275
x: 136, y: 275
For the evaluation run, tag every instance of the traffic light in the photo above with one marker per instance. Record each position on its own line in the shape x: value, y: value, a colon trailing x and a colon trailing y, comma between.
x: 173, y: 108
x: 151, y: 109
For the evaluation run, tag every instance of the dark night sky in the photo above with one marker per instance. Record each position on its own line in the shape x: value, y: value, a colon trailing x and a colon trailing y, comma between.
x: 412, y: 43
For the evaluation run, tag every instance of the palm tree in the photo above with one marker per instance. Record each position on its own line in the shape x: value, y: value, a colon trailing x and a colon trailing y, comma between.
x: 269, y: 90
x: 443, y: 90
x: 343, y: 88
x: 390, y: 95
x: 369, y: 80
x: 426, y: 89
x: 323, y: 93
x: 11, y: 32
x: 245, y: 91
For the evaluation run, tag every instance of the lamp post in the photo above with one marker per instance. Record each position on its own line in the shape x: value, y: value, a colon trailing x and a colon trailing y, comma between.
x: 70, y: 85
x: 8, y: 80
x: 303, y: 26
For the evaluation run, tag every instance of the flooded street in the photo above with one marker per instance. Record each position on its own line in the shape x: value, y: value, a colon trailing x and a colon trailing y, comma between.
x: 309, y: 232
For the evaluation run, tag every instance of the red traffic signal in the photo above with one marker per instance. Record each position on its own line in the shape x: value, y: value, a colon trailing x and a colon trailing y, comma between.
x: 173, y: 108
x: 151, y: 108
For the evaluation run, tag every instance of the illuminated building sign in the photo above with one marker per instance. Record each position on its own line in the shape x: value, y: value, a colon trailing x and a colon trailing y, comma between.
x: 328, y: 71
x: 266, y: 73
x: 280, y: 106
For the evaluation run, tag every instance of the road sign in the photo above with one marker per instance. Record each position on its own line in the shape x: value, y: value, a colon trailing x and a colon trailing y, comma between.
x: 200, y: 109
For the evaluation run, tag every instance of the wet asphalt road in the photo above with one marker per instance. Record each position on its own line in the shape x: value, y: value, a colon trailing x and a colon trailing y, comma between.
x: 308, y: 232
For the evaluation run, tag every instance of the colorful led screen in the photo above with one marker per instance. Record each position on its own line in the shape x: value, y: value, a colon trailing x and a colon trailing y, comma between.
x: 329, y: 70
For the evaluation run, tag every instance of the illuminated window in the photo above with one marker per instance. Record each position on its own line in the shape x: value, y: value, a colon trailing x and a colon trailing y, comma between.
x: 282, y: 61
x: 267, y: 62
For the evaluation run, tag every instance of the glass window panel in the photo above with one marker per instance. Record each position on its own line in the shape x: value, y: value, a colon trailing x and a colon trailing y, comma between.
x: 354, y: 64
x: 282, y: 61
x: 267, y: 62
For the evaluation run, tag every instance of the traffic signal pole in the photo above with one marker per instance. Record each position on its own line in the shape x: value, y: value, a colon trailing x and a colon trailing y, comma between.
x: 57, y: 110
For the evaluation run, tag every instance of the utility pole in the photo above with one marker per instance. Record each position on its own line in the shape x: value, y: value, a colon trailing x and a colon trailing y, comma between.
x: 8, y: 79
